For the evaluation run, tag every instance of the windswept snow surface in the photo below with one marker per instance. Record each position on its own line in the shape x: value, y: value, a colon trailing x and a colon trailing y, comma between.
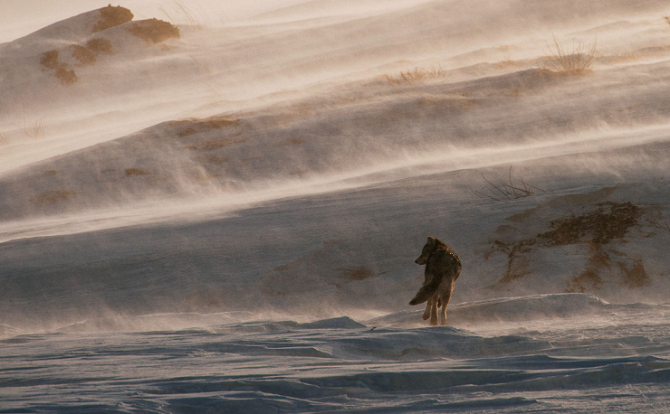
x: 217, y: 206
x: 538, y: 354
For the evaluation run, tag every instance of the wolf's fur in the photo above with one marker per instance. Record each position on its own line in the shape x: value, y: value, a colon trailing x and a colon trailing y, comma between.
x: 442, y: 269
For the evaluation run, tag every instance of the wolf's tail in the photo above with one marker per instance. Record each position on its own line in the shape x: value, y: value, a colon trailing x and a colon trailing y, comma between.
x: 425, y: 292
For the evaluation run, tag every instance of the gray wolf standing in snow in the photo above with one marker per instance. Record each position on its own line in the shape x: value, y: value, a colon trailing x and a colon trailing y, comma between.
x: 442, y: 269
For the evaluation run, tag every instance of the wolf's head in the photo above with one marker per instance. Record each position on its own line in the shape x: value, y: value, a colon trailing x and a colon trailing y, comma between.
x: 431, y: 245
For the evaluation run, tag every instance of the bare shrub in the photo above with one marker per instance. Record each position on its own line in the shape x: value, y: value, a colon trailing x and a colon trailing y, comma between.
x: 508, y: 189
x: 517, y: 262
x: 572, y: 62
x: 416, y: 75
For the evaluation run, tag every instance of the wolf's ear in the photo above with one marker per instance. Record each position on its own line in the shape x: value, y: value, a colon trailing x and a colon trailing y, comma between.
x: 431, y: 240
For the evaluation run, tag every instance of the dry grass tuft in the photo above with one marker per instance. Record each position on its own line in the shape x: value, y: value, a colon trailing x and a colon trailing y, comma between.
x: 573, y: 62
x: 53, y: 197
x: 176, y: 12
x: 111, y: 16
x: 31, y: 127
x: 154, y: 31
x: 509, y: 189
x: 416, y: 75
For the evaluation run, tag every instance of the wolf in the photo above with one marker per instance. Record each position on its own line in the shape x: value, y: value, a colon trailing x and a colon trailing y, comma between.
x: 442, y: 269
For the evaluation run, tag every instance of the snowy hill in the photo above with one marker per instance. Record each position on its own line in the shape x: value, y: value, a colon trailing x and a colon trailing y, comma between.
x: 368, y: 143
x: 338, y: 171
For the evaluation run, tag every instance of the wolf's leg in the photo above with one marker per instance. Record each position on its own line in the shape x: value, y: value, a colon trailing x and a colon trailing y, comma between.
x: 433, y: 310
x: 446, y: 296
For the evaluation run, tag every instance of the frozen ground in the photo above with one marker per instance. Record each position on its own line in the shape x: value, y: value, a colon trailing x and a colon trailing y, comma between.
x: 223, y: 213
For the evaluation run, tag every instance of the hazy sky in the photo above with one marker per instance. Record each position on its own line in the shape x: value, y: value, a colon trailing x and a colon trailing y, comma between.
x: 21, y: 17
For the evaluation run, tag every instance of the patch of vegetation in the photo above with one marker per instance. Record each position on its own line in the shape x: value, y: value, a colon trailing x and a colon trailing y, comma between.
x: 53, y: 197
x: 357, y: 273
x: 188, y: 127
x: 50, y: 59
x: 211, y: 145
x: 601, y: 260
x: 135, y: 171
x: 154, y: 31
x: 587, y: 280
x: 111, y: 16
x: 83, y: 55
x: 100, y: 45
x: 597, y: 229
x: 62, y: 70
x: 608, y: 222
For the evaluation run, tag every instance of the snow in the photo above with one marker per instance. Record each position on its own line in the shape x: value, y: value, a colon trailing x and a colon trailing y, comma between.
x: 227, y: 218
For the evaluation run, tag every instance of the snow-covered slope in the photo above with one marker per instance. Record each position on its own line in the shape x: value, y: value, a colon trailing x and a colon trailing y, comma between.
x: 303, y: 161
